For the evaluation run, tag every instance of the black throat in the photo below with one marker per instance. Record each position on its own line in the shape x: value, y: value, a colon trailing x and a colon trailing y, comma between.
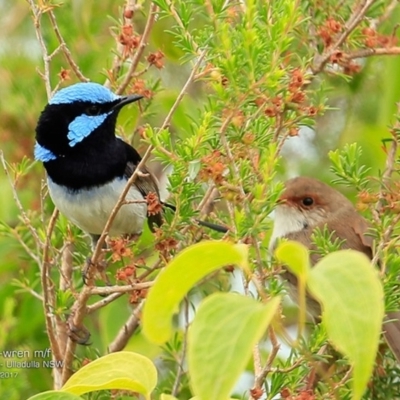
x: 92, y: 163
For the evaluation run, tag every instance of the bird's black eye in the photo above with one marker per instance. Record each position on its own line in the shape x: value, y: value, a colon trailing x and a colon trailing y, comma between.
x: 93, y: 110
x: 307, y: 201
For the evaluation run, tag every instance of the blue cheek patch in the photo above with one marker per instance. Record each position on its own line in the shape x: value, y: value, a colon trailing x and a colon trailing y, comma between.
x: 42, y: 154
x: 82, y: 126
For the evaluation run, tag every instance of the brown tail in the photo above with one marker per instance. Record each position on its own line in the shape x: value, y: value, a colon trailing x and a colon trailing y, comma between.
x: 391, y: 329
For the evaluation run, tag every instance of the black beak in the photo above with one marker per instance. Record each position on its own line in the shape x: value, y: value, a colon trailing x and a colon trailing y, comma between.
x: 123, y: 101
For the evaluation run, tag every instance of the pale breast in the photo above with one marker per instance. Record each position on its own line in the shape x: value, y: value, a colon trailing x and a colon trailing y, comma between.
x: 90, y: 209
x: 286, y: 220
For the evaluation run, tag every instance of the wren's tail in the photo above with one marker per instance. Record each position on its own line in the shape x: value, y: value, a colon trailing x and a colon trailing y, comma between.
x: 391, y: 330
x: 214, y: 227
x: 209, y: 225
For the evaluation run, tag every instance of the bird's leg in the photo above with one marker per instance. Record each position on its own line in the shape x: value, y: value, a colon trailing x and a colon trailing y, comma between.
x: 100, y: 268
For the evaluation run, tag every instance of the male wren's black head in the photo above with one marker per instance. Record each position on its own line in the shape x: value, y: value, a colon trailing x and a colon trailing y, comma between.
x: 76, y: 131
x: 87, y: 165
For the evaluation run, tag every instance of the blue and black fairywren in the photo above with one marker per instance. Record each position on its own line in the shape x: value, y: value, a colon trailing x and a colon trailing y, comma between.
x: 88, y: 166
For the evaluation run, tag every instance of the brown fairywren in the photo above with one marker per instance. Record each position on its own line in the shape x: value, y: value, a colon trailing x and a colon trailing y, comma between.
x: 307, y: 204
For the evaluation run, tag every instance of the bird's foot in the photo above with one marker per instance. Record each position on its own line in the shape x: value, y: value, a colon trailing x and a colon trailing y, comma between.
x: 141, y: 174
x: 78, y: 335
x: 133, y: 237
x: 99, y: 267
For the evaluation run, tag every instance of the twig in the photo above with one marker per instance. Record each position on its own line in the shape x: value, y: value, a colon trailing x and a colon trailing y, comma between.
x: 388, y: 11
x: 23, y: 244
x: 260, y: 378
x: 66, y: 270
x: 386, y: 176
x: 337, y: 385
x: 295, y: 365
x: 384, y: 240
x: 32, y: 292
x: 390, y: 160
x: 103, y: 302
x: 49, y: 302
x: 125, y: 333
x: 181, y: 370
x: 351, y: 24
x: 65, y: 49
x: 37, y: 15
x: 207, y: 201
x: 149, y: 271
x: 21, y: 209
x: 257, y: 360
x: 178, y: 20
x: 142, y: 45
x: 66, y: 266
x: 119, y: 59
x: 384, y: 51
x: 107, y: 290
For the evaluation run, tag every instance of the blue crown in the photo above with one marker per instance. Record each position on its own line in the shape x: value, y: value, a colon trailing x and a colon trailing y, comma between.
x: 89, y: 91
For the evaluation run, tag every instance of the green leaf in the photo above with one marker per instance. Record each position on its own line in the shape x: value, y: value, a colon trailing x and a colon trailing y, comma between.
x: 220, y: 341
x: 55, y: 394
x: 167, y: 397
x: 180, y: 275
x: 351, y: 295
x: 123, y: 370
x: 295, y: 256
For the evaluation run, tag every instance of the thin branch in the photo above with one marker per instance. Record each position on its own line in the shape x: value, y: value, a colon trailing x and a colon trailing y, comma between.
x: 49, y: 301
x: 388, y: 11
x: 257, y: 360
x: 65, y: 49
x: 182, y: 93
x: 384, y: 51
x: 351, y: 24
x: 390, y: 161
x: 17, y: 201
x: 126, y: 332
x: 178, y: 20
x: 65, y: 283
x: 32, y: 292
x: 66, y: 266
x: 149, y: 271
x: 107, y: 290
x: 205, y: 206
x: 181, y: 369
x: 142, y: 45
x: 23, y: 244
x: 295, y: 365
x: 260, y: 378
x: 119, y: 57
x: 383, y: 242
x: 103, y: 302
x: 37, y: 15
x: 339, y: 384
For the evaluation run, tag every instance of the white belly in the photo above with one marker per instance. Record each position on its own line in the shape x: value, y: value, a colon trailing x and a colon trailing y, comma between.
x: 90, y: 209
